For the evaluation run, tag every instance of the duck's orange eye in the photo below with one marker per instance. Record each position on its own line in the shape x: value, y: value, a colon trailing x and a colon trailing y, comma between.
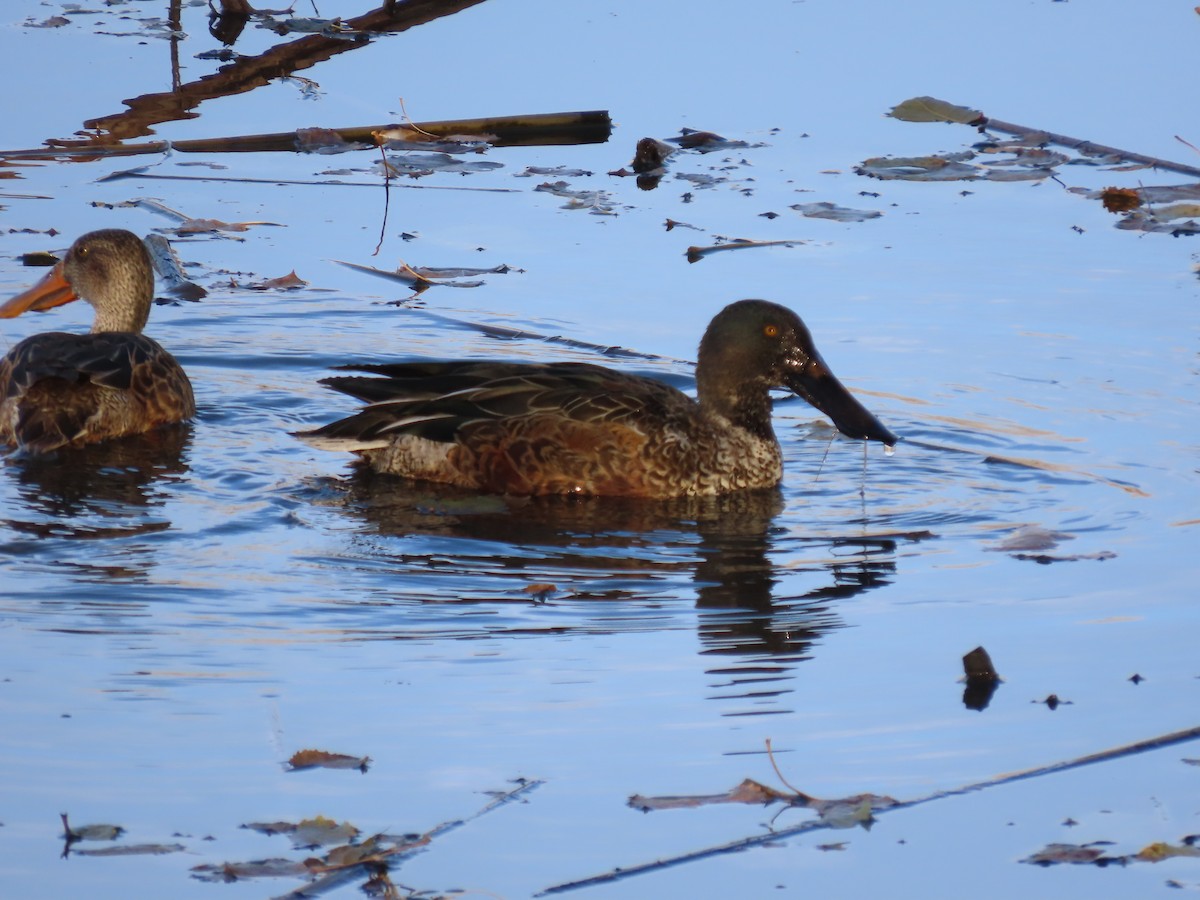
x: 771, y: 331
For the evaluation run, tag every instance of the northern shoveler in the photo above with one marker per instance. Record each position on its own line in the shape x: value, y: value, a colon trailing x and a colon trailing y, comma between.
x: 59, y: 389
x: 576, y: 428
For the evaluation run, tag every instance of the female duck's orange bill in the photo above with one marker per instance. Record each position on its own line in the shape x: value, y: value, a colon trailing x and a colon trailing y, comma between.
x: 53, y: 290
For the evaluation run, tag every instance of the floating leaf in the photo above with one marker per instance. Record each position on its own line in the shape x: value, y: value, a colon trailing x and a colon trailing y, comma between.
x: 1118, y: 200
x: 170, y: 270
x: 596, y: 202
x: 931, y: 109
x: 695, y: 254
x: 311, y: 759
x: 1053, y: 702
x: 1160, y: 850
x: 418, y: 165
x: 321, y: 832
x: 825, y: 210
x: 288, y: 282
x: 433, y: 272
x: 417, y: 279
x: 133, y: 850
x: 749, y: 791
x: 949, y: 167
x: 553, y: 171
x: 705, y: 141
x: 1159, y: 220
x: 540, y: 592
x: 1074, y: 854
x: 259, y: 868
x: 316, y: 832
x: 847, y: 813
x: 90, y: 832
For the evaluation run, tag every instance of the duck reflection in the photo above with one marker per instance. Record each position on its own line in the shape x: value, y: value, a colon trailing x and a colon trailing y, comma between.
x: 101, y: 490
x: 639, y: 552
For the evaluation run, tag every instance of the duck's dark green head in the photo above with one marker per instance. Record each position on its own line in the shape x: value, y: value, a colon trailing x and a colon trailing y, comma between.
x: 752, y: 346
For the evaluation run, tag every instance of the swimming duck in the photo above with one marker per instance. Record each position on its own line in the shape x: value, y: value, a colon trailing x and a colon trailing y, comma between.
x: 578, y: 428
x: 59, y: 389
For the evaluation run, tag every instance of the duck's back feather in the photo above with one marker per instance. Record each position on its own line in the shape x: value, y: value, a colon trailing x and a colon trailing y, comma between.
x: 58, y: 388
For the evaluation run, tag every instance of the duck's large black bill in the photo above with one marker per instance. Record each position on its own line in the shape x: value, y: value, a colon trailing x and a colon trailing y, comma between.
x: 813, y: 381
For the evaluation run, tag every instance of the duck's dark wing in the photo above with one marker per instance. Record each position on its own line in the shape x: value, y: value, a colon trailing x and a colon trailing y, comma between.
x: 437, y: 400
x: 59, y: 388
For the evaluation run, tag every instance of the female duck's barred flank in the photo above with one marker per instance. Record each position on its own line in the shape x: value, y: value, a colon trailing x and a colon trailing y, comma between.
x: 576, y: 428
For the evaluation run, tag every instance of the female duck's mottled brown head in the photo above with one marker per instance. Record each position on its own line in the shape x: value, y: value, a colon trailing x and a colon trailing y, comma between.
x: 110, y: 269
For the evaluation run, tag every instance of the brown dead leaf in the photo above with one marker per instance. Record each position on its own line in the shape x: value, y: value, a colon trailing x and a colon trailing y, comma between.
x: 1119, y: 200
x: 203, y: 226
x: 749, y: 791
x: 311, y: 759
x: 288, y: 282
x: 1160, y: 850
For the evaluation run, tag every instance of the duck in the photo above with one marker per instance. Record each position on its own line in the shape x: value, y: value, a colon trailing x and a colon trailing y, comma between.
x: 574, y: 428
x: 59, y: 389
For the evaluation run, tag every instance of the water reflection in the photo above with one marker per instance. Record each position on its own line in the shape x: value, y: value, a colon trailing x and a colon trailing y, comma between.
x: 645, y: 554
x: 249, y: 73
x: 104, y: 490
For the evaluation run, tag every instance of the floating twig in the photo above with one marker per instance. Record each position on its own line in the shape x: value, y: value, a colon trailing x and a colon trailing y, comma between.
x: 931, y: 109
x: 1125, y: 750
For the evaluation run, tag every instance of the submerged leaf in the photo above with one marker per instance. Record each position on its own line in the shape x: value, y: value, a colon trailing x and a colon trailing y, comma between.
x: 826, y: 210
x: 1032, y: 537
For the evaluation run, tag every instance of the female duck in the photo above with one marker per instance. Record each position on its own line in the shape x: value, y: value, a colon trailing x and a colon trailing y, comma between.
x: 576, y: 428
x: 59, y: 389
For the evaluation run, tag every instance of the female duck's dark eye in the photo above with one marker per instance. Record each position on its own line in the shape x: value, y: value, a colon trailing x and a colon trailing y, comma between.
x: 771, y: 331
